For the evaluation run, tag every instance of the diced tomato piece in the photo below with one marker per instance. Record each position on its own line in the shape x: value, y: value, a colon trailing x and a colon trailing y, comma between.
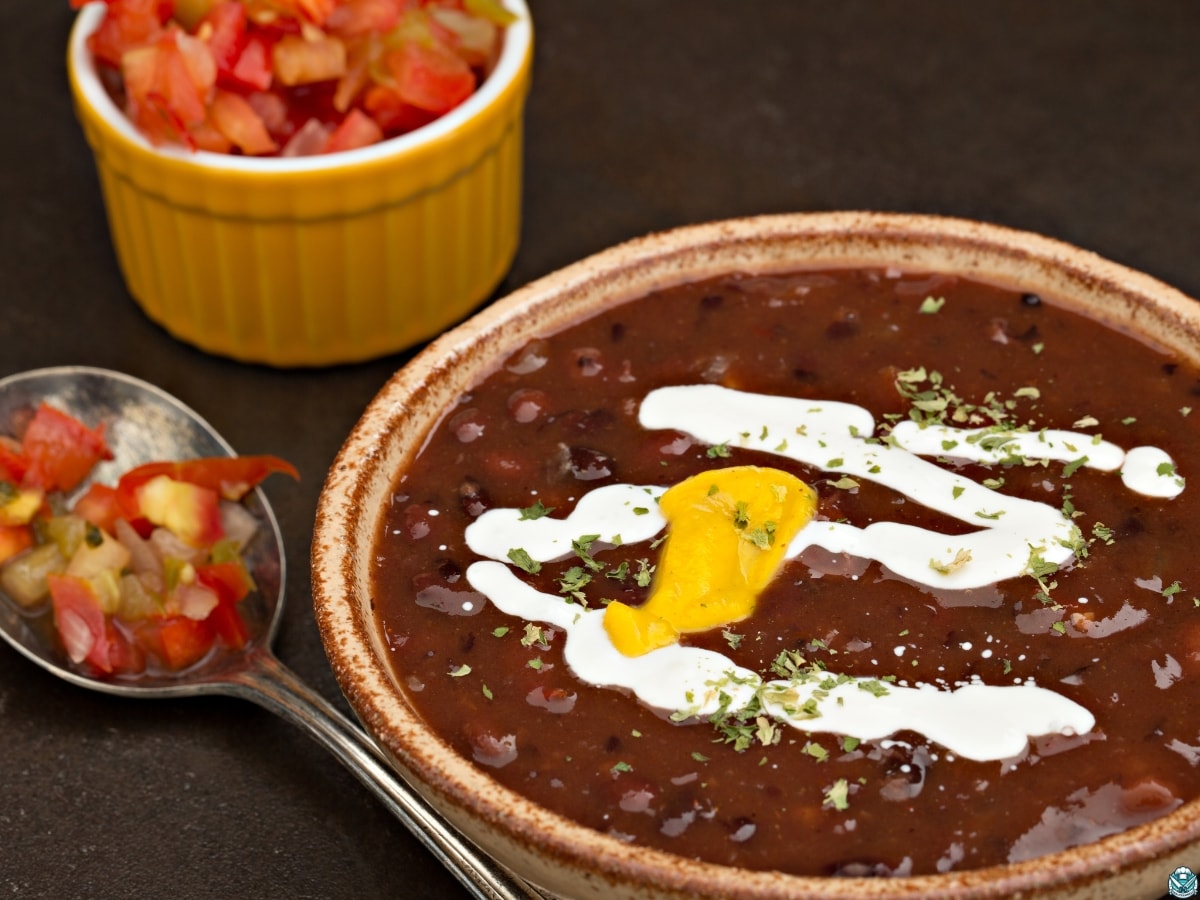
x: 354, y: 18
x: 251, y: 70
x: 189, y: 511
x: 357, y: 130
x: 207, y: 136
x: 14, y: 539
x: 235, y: 118
x: 99, y: 506
x: 230, y: 476
x: 61, y: 450
x: 224, y: 30
x: 80, y: 621
x: 232, y: 583
x: 168, y: 85
x: 177, y: 640
x: 432, y: 77
x: 13, y: 461
x: 128, y: 24
x: 393, y: 114
x: 230, y: 580
x: 125, y: 657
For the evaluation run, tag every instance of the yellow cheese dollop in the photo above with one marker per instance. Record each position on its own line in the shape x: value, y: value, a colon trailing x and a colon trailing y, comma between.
x: 727, y: 531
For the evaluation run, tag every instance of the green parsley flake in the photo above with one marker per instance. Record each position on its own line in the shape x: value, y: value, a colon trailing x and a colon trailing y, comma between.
x: 1074, y: 466
x: 838, y: 795
x: 718, y: 451
x: 487, y: 691
x: 816, y: 751
x: 522, y: 560
x: 698, y: 756
x: 583, y: 549
x: 572, y: 583
x: 537, y: 511
x: 500, y: 631
x: 620, y: 767
x: 462, y: 670
x: 741, y: 515
x: 931, y: 305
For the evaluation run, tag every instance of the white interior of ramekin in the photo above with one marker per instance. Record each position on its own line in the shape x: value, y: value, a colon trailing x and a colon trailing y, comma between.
x: 517, y: 38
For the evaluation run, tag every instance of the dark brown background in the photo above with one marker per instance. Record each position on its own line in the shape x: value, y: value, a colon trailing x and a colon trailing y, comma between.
x: 1080, y: 120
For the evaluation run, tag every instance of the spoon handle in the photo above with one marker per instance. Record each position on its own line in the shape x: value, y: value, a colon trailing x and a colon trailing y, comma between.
x: 269, y: 683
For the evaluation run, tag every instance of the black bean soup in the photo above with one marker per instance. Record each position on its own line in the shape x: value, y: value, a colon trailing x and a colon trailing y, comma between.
x: 1116, y: 630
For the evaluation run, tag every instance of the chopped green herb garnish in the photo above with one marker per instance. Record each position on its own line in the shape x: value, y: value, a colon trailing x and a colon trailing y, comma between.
x: 536, y: 511
x: 522, y: 560
x: 838, y: 795
x: 533, y: 635
x: 1074, y: 466
x: 718, y: 451
x: 931, y: 305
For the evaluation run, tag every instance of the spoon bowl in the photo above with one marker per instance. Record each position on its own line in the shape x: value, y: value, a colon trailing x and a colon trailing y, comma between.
x: 145, y: 424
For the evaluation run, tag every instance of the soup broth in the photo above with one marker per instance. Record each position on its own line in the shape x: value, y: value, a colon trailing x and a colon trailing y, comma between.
x: 1006, y: 668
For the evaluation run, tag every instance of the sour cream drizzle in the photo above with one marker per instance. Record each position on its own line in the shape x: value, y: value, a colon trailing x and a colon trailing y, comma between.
x: 974, y: 720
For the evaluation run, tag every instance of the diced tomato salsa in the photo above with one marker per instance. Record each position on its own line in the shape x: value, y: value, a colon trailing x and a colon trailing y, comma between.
x: 144, y: 575
x: 293, y: 77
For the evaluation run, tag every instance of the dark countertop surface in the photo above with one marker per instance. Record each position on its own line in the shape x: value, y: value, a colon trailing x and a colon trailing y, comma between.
x: 1076, y: 119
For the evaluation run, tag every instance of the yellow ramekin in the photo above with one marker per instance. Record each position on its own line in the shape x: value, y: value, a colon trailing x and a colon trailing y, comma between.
x: 315, y: 260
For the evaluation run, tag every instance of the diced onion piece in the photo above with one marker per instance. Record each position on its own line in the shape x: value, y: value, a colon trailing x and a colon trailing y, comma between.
x: 238, y: 522
x: 76, y: 636
x: 136, y: 601
x: 297, y: 60
x: 67, y: 532
x: 309, y: 140
x: 89, y: 561
x: 24, y: 577
x: 142, y: 556
x: 195, y: 600
x: 168, y: 546
x: 476, y: 37
x: 236, y: 119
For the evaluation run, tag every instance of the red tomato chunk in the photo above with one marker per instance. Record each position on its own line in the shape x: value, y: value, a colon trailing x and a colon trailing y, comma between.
x: 293, y: 77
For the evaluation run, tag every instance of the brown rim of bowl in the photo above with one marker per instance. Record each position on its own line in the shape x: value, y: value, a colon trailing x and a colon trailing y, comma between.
x: 550, y: 849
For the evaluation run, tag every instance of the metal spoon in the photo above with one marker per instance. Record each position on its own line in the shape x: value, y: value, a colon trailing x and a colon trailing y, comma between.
x: 145, y: 424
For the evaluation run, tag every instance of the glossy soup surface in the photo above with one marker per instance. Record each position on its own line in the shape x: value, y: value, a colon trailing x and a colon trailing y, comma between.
x: 1115, y: 633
